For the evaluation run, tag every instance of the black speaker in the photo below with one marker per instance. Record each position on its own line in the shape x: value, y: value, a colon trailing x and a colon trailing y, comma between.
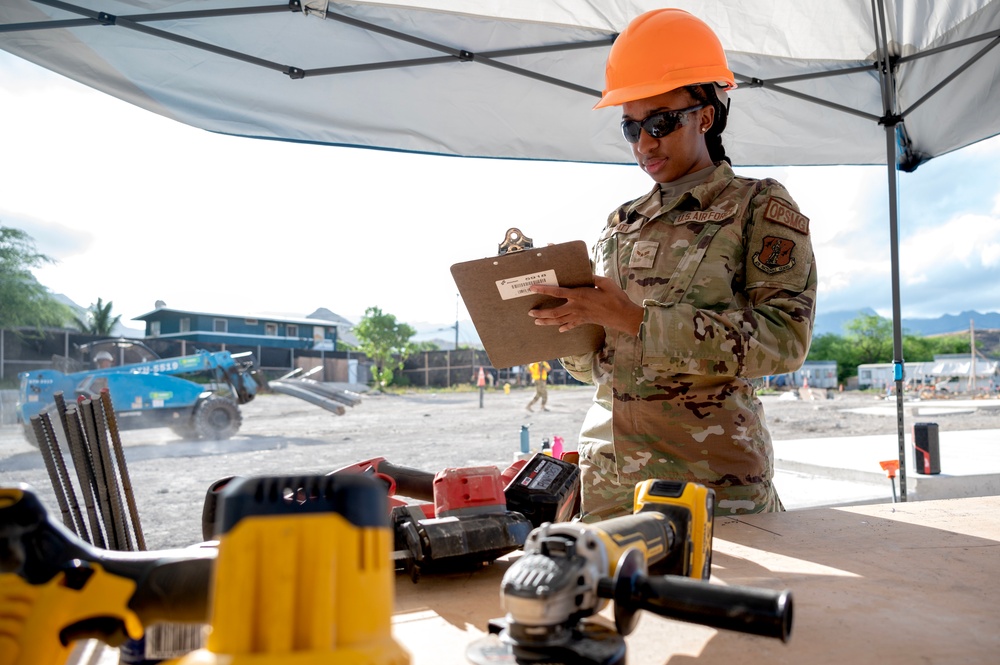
x: 926, y: 448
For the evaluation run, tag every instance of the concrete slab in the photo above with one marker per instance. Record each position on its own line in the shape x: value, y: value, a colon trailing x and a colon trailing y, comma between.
x: 911, y: 411
x: 917, y: 408
x: 800, y: 490
x: 970, y: 465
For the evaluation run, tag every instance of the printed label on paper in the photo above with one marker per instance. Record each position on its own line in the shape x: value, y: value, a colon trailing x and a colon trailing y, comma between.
x: 517, y: 287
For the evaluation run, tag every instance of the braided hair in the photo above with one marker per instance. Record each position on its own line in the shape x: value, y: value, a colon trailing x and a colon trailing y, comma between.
x: 705, y: 94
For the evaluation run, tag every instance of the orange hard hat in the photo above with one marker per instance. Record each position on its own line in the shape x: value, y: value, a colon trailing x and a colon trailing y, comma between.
x: 662, y: 50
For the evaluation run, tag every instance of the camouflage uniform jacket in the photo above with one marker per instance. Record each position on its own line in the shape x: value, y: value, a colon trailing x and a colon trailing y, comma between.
x: 726, y: 276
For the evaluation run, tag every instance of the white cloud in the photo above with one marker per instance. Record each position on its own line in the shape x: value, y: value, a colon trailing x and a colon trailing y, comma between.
x: 952, y: 267
x: 970, y: 241
x: 991, y: 255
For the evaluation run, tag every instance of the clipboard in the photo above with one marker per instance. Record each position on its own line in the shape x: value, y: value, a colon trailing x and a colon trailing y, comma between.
x: 495, y: 291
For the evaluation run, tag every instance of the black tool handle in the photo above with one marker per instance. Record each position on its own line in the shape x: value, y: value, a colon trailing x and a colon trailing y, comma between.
x: 171, y: 585
x: 744, y: 609
x: 412, y: 483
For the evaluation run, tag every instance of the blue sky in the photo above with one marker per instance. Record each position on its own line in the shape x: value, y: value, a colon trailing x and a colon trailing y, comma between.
x: 137, y: 208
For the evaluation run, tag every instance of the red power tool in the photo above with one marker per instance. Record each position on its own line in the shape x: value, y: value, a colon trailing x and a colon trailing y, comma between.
x: 458, y: 518
x: 470, y: 516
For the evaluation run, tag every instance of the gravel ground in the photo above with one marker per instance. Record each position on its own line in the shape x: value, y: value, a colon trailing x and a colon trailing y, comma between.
x: 429, y: 431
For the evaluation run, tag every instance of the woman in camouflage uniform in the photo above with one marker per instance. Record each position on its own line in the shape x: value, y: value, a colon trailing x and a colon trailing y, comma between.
x: 704, y: 284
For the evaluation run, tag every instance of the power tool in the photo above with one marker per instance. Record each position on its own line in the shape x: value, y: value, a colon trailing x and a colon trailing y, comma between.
x: 301, y: 572
x: 542, y: 488
x: 462, y: 518
x: 56, y: 588
x: 570, y: 571
x: 477, y: 514
x: 307, y: 579
x: 467, y: 526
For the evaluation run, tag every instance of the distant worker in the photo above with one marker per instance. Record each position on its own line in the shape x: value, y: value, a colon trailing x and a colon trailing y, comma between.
x: 103, y: 359
x: 540, y: 377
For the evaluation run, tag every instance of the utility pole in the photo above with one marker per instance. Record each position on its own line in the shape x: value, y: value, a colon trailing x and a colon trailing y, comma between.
x: 972, y: 345
x: 458, y: 300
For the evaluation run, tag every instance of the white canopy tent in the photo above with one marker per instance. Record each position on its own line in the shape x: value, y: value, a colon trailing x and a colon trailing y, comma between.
x: 893, y: 82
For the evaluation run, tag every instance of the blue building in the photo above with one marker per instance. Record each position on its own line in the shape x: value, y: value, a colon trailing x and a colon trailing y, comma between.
x: 243, y: 330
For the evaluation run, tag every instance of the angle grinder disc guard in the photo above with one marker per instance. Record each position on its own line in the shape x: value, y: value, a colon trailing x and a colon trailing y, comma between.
x: 591, y: 644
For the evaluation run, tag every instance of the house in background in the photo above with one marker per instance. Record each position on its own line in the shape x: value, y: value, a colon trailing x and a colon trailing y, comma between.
x: 818, y: 373
x: 345, y: 329
x: 957, y: 370
x: 245, y: 330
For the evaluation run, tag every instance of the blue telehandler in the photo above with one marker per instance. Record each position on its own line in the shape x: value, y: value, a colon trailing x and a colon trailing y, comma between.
x: 195, y: 395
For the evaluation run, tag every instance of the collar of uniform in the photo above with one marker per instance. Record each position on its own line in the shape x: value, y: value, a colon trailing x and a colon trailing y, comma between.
x: 652, y: 205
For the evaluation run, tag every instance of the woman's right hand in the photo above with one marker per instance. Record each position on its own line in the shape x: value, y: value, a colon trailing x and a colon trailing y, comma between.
x: 604, y: 304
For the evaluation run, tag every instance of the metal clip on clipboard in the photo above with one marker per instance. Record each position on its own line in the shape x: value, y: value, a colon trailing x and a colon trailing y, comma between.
x: 496, y: 292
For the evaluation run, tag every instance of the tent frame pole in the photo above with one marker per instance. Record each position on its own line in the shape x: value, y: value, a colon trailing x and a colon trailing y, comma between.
x: 891, y: 121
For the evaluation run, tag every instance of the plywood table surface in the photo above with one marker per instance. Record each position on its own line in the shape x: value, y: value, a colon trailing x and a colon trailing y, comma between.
x: 915, y: 582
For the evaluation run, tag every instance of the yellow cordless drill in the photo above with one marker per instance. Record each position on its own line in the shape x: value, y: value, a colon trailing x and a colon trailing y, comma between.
x: 571, y: 570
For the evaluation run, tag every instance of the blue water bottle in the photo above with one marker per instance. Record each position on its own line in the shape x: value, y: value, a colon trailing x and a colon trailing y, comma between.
x: 525, y: 444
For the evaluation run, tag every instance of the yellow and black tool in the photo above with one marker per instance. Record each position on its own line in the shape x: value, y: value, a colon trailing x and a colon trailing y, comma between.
x: 309, y: 580
x: 55, y: 588
x: 571, y: 570
x: 302, y: 573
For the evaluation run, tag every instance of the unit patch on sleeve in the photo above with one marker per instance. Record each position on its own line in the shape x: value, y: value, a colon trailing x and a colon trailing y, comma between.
x: 775, y: 255
x: 779, y: 213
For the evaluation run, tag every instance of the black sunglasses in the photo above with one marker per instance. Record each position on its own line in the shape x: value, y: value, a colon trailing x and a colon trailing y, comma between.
x: 658, y: 124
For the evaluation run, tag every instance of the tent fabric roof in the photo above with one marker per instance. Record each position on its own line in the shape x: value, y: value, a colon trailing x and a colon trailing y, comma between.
x: 464, y: 86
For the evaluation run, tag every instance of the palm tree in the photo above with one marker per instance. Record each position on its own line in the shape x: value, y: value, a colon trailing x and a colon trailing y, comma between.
x: 99, y: 320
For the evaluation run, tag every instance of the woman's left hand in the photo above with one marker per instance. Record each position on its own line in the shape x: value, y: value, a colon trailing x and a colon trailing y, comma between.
x: 606, y: 304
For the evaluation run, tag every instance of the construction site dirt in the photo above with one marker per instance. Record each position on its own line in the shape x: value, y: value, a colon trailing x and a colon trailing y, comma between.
x: 425, y: 430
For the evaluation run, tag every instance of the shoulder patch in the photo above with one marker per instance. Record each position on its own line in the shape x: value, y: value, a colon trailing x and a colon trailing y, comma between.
x: 775, y: 255
x: 779, y: 213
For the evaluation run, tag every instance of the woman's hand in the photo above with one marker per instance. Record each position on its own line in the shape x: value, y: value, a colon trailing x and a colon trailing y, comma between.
x: 606, y: 304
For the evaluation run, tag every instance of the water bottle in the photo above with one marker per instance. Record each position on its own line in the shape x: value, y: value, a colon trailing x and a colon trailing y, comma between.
x: 557, y: 447
x: 525, y: 443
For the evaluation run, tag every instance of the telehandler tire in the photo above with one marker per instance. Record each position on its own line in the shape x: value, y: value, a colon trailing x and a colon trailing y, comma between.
x: 217, y: 418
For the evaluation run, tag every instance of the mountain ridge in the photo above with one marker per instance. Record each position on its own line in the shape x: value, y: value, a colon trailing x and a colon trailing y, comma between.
x: 834, y: 322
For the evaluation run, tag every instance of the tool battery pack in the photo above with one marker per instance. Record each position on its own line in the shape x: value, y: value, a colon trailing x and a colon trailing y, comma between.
x: 546, y: 489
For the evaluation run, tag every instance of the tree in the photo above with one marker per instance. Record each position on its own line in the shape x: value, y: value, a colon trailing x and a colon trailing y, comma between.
x: 385, y: 341
x: 953, y: 344
x: 870, y: 341
x: 871, y: 336
x: 99, y: 320
x: 23, y: 301
x: 918, y: 349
